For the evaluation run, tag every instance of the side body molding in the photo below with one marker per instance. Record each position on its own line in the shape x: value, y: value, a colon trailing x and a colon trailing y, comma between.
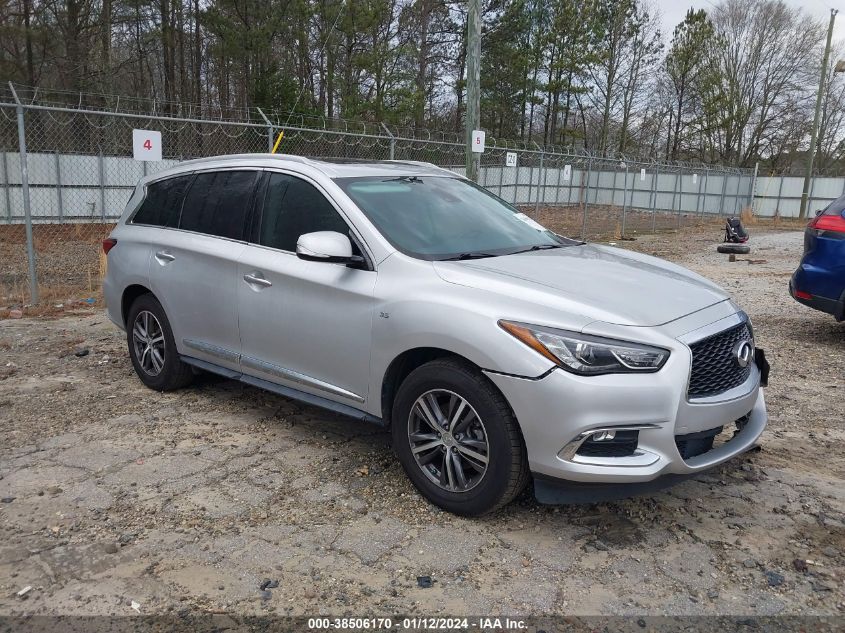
x: 260, y: 365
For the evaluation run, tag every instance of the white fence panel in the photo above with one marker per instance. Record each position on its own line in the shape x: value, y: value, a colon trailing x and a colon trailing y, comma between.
x: 77, y: 187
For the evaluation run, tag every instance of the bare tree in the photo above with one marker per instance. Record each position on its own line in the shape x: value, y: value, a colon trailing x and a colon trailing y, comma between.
x: 766, y: 54
x: 639, y: 65
x: 685, y: 66
x: 831, y: 139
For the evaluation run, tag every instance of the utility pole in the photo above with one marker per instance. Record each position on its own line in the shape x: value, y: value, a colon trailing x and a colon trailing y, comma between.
x: 815, y: 131
x: 473, y: 119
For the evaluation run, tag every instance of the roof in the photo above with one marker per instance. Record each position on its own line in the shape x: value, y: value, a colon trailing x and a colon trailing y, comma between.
x: 331, y: 167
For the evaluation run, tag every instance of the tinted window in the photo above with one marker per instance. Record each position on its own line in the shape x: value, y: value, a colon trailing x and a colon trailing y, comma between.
x: 163, y: 202
x: 836, y: 207
x: 217, y: 203
x: 293, y: 207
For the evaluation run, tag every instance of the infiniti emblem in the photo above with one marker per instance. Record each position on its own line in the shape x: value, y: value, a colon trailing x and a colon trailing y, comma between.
x: 743, y: 352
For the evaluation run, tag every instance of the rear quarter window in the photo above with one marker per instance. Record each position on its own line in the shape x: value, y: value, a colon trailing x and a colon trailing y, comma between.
x: 163, y: 202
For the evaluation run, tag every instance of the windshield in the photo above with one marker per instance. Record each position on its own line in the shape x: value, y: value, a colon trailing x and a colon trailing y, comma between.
x: 438, y: 217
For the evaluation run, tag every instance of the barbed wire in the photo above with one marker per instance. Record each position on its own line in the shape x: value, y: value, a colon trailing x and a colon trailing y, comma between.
x: 151, y: 109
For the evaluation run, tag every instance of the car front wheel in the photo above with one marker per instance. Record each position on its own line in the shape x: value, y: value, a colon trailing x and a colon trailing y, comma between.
x: 457, y: 438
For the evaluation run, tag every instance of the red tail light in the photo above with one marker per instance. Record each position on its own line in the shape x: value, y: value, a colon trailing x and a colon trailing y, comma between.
x: 108, y: 244
x: 800, y: 294
x: 835, y: 223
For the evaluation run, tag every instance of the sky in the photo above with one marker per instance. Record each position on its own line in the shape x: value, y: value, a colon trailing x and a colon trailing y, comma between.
x: 674, y: 11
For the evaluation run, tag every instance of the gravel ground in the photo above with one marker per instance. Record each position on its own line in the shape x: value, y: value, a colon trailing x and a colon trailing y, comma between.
x: 67, y: 261
x: 113, y: 493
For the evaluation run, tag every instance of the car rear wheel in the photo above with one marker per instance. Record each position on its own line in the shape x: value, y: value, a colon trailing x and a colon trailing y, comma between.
x: 152, y: 348
x: 457, y: 438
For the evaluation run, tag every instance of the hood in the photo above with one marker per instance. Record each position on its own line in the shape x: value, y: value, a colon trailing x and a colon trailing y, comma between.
x: 598, y: 282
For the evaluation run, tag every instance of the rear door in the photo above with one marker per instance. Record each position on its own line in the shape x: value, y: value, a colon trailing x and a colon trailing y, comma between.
x: 193, y: 269
x: 304, y: 324
x: 158, y: 212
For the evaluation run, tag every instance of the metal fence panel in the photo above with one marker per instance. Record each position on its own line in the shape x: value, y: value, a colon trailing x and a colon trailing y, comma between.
x: 781, y: 195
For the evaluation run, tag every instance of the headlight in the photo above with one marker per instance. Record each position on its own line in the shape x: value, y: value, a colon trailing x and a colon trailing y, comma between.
x: 585, y: 354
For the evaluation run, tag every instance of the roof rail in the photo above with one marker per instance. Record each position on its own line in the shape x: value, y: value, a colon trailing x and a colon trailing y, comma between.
x: 419, y: 163
x: 285, y: 157
x: 413, y: 162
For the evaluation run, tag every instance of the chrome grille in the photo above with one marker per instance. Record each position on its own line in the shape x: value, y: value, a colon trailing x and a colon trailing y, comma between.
x: 714, y: 370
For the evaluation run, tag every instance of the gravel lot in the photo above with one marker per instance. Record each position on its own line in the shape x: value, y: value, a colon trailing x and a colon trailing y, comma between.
x: 67, y: 256
x: 113, y: 493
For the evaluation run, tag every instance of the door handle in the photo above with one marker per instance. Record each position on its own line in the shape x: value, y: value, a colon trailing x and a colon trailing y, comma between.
x: 253, y: 278
x: 164, y: 256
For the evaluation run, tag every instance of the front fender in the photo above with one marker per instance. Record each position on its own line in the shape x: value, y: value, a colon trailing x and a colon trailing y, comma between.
x: 437, y: 314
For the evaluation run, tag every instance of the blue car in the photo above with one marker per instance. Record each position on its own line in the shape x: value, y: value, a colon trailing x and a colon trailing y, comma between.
x: 819, y: 281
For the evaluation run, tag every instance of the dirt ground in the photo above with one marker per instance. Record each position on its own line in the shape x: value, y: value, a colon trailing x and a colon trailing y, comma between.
x: 67, y: 261
x: 113, y: 494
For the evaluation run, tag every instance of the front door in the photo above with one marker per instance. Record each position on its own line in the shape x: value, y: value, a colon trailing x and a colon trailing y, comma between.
x: 303, y: 324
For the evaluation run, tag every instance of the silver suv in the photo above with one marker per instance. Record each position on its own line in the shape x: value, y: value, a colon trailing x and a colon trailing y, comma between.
x: 401, y: 294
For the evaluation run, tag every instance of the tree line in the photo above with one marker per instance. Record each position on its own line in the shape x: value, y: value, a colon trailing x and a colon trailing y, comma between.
x: 733, y: 84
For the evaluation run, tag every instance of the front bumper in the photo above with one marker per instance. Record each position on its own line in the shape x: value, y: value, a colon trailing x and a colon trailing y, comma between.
x: 559, y: 407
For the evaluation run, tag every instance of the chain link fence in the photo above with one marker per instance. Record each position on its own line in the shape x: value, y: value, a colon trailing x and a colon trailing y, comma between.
x: 67, y: 170
x: 592, y: 197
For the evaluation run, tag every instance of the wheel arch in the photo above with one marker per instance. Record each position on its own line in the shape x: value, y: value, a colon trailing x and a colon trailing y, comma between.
x: 406, y: 362
x: 130, y: 294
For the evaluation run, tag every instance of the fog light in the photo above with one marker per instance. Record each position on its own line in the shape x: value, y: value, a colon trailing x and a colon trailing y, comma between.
x: 603, y: 436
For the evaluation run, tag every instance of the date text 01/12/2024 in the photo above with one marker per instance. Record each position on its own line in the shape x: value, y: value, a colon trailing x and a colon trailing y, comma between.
x: 419, y: 623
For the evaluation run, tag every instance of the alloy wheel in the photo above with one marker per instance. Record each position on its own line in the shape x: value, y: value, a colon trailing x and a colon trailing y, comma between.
x: 148, y: 340
x: 448, y: 440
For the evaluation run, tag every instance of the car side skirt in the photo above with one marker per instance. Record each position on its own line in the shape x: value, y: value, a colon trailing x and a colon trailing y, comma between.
x: 288, y: 392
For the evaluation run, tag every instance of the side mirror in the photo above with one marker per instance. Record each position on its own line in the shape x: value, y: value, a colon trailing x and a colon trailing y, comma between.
x: 325, y: 246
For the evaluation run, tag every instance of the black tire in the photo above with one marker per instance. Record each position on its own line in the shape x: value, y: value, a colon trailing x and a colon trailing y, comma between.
x: 506, y: 473
x: 173, y: 373
x: 734, y: 249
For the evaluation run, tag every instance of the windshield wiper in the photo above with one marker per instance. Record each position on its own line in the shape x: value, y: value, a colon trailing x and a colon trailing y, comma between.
x: 538, y: 247
x: 413, y: 179
x: 473, y: 255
